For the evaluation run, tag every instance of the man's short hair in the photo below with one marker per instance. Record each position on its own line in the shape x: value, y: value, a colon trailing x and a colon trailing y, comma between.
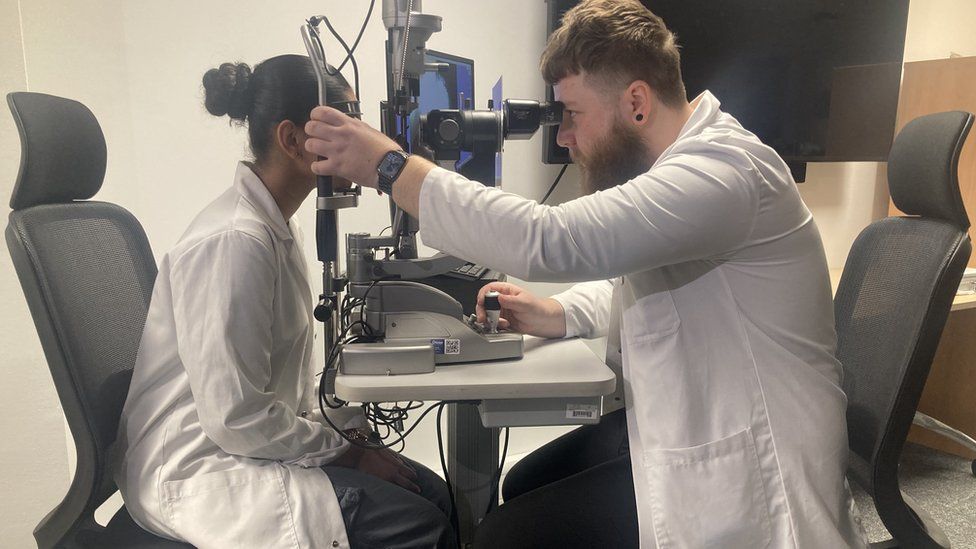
x: 617, y: 41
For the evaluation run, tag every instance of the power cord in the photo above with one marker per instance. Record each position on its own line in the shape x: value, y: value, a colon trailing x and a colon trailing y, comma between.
x: 554, y: 183
x: 447, y: 477
x: 349, y: 51
x: 493, y: 502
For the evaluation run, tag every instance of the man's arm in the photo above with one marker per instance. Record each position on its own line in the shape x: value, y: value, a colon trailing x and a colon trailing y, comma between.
x: 406, y: 191
x: 691, y: 206
x: 352, y: 149
x: 587, y: 308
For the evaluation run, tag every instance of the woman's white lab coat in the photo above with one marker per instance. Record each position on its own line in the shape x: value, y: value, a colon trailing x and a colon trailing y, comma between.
x: 216, y: 450
x: 735, y: 411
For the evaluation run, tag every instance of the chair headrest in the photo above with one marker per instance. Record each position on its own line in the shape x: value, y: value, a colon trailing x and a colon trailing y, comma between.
x: 923, y: 166
x: 62, y: 150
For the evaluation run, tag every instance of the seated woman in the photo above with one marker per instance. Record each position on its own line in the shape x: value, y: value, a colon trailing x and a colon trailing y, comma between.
x: 222, y: 445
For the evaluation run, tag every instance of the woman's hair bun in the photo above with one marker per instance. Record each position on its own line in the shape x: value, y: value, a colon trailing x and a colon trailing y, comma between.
x: 228, y: 91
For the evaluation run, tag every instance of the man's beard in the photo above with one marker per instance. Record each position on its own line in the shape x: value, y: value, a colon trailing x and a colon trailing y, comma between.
x: 618, y: 159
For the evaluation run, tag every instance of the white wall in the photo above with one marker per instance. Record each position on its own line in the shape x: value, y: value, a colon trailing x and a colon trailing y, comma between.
x: 138, y: 66
x: 938, y: 28
x: 33, y: 457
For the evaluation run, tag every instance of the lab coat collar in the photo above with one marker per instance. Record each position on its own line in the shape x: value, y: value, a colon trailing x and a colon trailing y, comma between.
x: 706, y: 109
x: 247, y: 182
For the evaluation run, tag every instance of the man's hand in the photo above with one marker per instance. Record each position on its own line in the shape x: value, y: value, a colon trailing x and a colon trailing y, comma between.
x: 350, y: 148
x: 524, y: 312
x: 380, y: 462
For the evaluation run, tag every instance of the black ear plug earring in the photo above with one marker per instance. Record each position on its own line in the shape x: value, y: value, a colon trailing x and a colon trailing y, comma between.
x: 640, y: 117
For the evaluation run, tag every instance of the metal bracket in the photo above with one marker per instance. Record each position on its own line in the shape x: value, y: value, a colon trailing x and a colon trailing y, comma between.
x: 337, y: 202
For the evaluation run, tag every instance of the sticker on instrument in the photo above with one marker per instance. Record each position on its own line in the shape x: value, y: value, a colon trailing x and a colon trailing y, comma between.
x: 582, y: 411
x: 446, y: 346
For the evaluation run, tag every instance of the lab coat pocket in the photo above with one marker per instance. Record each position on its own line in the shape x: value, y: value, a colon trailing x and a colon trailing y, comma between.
x: 245, y: 507
x: 711, y: 495
x: 653, y: 316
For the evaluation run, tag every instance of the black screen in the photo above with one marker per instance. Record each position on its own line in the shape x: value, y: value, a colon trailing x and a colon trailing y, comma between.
x: 817, y: 80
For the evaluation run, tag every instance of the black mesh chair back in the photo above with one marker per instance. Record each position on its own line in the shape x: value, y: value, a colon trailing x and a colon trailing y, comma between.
x: 87, y: 272
x: 890, y: 307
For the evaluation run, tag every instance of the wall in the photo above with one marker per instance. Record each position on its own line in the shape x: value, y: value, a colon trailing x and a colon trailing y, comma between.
x: 138, y: 67
x: 33, y: 453
x: 938, y: 28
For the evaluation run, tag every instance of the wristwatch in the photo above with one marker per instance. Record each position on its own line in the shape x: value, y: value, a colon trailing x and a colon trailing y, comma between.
x: 361, y: 435
x: 389, y: 169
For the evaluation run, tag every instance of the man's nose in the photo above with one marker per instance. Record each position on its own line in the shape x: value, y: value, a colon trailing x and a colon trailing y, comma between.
x: 565, y: 136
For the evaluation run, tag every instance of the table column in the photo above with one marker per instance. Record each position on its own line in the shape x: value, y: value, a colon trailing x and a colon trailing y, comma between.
x: 472, y: 461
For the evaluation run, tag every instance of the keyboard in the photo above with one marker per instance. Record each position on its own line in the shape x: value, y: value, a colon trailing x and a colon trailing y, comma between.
x: 469, y: 271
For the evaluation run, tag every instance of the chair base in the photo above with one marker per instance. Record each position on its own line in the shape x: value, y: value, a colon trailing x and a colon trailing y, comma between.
x: 950, y: 433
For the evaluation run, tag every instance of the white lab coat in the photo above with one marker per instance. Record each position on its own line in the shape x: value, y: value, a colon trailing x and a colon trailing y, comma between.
x: 735, y: 411
x: 216, y: 451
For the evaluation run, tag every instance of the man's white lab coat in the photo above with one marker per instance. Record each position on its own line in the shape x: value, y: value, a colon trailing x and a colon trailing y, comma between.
x: 216, y: 451
x: 720, y: 289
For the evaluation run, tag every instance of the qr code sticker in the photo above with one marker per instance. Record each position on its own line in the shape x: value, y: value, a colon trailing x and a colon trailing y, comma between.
x: 452, y: 346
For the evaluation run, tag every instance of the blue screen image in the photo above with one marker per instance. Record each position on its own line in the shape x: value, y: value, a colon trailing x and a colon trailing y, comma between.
x: 452, y: 88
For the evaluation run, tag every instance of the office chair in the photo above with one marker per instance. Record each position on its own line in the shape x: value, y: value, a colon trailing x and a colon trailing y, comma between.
x: 890, y: 307
x: 87, y: 272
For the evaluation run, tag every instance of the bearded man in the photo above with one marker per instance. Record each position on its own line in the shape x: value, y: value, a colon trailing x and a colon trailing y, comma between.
x: 695, y: 254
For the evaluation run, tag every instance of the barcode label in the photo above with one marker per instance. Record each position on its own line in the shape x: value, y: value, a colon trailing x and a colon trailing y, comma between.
x: 446, y: 346
x: 582, y: 411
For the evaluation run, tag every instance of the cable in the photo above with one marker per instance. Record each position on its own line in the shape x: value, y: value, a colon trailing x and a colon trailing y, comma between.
x: 349, y: 56
x: 359, y: 37
x: 401, y: 437
x: 554, y: 183
x: 349, y: 51
x: 498, y: 476
x: 447, y: 477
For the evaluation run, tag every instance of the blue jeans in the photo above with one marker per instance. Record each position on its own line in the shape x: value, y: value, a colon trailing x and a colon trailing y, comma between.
x: 380, y: 514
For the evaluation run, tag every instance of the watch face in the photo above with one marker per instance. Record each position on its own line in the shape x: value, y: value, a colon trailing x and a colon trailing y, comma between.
x: 391, y: 164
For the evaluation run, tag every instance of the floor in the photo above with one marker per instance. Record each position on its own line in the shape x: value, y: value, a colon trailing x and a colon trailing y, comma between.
x: 942, y: 484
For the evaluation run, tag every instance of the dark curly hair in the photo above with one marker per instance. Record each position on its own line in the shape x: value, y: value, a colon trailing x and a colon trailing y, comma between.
x: 279, y: 88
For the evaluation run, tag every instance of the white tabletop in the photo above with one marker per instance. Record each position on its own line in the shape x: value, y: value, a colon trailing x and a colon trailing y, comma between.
x: 549, y: 368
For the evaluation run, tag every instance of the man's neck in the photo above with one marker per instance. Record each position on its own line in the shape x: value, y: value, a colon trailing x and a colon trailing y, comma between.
x: 665, y: 127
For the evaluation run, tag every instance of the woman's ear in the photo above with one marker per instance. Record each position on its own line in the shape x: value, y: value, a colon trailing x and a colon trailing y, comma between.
x: 290, y: 139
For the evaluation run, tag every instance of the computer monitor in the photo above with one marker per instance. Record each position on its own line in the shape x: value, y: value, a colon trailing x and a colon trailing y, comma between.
x: 452, y: 87
x: 817, y: 80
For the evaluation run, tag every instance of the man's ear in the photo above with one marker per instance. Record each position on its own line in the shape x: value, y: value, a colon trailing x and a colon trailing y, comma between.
x: 639, y: 102
x: 289, y: 138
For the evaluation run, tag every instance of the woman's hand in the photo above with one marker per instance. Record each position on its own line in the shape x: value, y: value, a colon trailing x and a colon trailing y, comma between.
x: 349, y: 148
x: 379, y: 462
x: 387, y: 465
x: 524, y: 312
